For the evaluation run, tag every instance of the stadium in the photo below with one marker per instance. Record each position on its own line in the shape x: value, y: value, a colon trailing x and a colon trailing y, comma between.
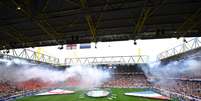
x: 100, y: 50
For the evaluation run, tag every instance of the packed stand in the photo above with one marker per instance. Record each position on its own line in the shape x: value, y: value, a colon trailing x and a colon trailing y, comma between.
x: 127, y: 81
x: 184, y: 87
x: 127, y: 76
x: 10, y: 89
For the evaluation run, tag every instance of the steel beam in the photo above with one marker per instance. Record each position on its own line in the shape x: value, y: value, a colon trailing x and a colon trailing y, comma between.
x: 72, y: 2
x: 15, y: 34
x: 147, y: 11
x: 38, y: 23
x: 90, y: 22
x: 190, y: 22
x: 182, y: 48
x: 12, y: 32
x: 138, y: 59
x: 89, y: 19
x: 45, y: 6
x: 30, y: 55
x: 101, y: 15
x: 65, y: 13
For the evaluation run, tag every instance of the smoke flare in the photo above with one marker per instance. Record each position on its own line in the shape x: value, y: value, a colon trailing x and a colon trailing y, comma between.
x: 166, y: 74
x: 17, y: 70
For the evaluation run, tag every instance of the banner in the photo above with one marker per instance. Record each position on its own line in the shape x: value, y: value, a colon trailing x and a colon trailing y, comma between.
x: 85, y: 46
x: 71, y: 46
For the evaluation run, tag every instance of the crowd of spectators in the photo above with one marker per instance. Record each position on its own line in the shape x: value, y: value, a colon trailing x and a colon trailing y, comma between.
x: 184, y: 87
x: 181, y: 85
x: 191, y: 88
x: 127, y: 80
x: 9, y: 89
x: 121, y: 79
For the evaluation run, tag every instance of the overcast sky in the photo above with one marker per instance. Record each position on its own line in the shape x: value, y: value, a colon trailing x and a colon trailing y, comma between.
x: 122, y: 48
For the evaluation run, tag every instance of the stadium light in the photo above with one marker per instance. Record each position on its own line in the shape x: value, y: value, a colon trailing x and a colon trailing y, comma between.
x: 7, y: 51
x: 60, y: 47
x: 135, y: 43
x: 95, y: 44
x: 184, y: 40
x: 18, y: 8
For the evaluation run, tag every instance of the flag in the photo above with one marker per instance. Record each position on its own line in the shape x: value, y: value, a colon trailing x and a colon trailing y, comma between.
x: 56, y: 92
x: 148, y: 94
x: 84, y: 46
x: 71, y: 46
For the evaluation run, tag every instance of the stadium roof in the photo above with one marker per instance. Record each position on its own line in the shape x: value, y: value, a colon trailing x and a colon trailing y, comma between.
x: 31, y: 23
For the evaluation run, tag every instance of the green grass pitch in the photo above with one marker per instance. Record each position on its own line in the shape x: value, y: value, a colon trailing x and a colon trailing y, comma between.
x: 117, y: 94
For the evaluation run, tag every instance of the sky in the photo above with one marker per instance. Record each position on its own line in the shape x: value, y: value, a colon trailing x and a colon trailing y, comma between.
x: 119, y: 48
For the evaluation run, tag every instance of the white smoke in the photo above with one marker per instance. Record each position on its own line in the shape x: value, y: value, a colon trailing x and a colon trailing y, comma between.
x: 166, y: 74
x: 89, y: 77
x: 17, y: 70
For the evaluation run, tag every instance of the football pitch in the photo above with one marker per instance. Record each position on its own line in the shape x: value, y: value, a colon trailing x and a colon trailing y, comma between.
x: 117, y: 94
